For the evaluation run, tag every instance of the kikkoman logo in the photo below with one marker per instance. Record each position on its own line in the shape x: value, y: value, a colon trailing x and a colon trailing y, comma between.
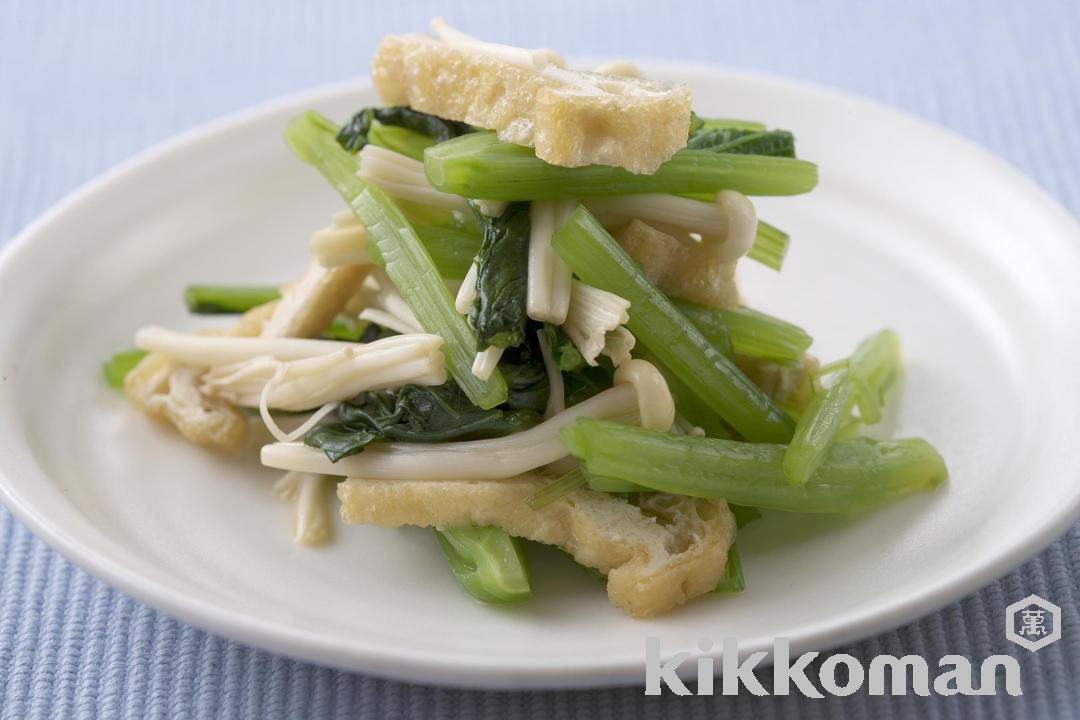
x: 954, y: 676
x: 1032, y: 623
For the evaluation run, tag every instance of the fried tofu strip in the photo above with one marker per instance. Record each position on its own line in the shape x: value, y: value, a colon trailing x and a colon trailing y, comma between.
x: 656, y: 555
x: 170, y: 392
x: 678, y: 268
x: 572, y: 118
x: 309, y: 305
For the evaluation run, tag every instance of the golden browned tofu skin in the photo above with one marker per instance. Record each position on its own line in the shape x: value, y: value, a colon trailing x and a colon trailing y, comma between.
x: 308, y: 306
x: 678, y: 268
x: 657, y: 554
x: 170, y: 392
x: 572, y: 118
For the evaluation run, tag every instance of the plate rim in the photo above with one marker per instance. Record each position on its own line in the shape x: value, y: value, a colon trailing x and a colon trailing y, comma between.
x: 412, y: 665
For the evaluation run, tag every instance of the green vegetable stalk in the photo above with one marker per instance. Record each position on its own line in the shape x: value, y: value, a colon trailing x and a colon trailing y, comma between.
x: 711, y: 123
x: 710, y: 322
x: 558, y: 488
x: 401, y: 140
x: 487, y: 562
x: 396, y: 244
x: 817, y: 430
x: 856, y: 474
x: 603, y: 483
x: 748, y: 332
x: 732, y: 580
x: 226, y: 299
x: 770, y: 246
x: 777, y: 143
x: 875, y: 366
x: 116, y: 368
x: 871, y: 370
x: 481, y: 165
x: 452, y: 249
x: 658, y: 325
x: 756, y: 334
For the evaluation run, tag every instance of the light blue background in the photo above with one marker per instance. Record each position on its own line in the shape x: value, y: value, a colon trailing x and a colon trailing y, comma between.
x: 84, y: 85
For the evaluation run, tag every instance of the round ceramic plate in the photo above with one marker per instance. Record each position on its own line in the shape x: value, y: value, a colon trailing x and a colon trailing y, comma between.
x: 911, y: 228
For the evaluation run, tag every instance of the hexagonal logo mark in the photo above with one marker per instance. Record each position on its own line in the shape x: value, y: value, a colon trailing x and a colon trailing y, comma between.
x: 1033, y: 622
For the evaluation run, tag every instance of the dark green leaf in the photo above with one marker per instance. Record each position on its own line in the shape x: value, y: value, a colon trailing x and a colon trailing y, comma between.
x: 340, y: 440
x: 498, y: 314
x: 376, y: 409
x: 580, y: 381
x: 375, y: 332
x: 434, y: 127
x: 778, y: 143
x: 353, y: 135
x: 583, y: 384
x: 526, y: 377
x: 414, y: 414
x: 437, y: 414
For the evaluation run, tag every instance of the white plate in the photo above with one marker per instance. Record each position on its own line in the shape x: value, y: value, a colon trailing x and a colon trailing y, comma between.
x: 911, y: 228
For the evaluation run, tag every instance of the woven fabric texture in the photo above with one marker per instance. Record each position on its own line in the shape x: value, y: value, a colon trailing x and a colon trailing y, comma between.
x: 85, y: 85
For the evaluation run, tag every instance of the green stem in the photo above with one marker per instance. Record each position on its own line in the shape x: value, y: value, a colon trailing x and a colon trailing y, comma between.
x: 763, y: 336
x: 487, y: 562
x: 732, y: 581
x: 817, y: 430
x: 558, y: 488
x: 116, y: 368
x: 871, y: 371
x: 397, y: 246
x: 226, y: 299
x: 481, y: 165
x: 874, y: 366
x: 732, y: 123
x: 711, y: 323
x: 598, y: 260
x: 399, y: 139
x: 603, y: 483
x: 857, y: 474
x: 452, y: 249
x: 770, y: 246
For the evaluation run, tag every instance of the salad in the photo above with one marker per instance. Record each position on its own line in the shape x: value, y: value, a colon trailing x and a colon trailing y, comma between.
x: 524, y: 325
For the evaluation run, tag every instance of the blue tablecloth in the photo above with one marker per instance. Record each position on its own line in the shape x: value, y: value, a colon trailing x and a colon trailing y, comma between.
x: 84, y: 85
